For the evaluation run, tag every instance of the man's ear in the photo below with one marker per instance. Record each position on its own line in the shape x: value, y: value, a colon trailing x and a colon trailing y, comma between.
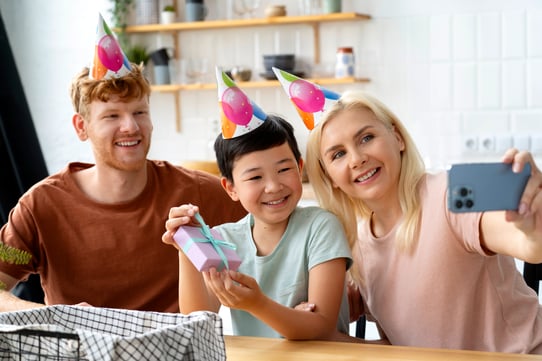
x: 80, y: 126
x: 229, y: 188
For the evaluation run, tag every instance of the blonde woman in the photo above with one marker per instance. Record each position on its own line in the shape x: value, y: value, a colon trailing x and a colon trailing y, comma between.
x: 430, y: 278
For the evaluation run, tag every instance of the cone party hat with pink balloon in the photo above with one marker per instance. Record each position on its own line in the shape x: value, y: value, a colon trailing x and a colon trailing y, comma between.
x: 238, y: 114
x: 109, y: 60
x: 310, y: 100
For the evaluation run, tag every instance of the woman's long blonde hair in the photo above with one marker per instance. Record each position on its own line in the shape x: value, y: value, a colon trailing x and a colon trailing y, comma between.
x: 349, y: 209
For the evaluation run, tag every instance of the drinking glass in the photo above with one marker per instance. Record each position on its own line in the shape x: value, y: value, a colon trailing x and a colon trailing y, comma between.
x: 196, y: 70
x: 245, y: 8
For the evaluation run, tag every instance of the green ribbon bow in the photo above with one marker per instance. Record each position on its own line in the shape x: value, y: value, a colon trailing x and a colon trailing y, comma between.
x: 216, y: 243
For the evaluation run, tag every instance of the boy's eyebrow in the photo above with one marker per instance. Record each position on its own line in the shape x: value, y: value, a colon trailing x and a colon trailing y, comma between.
x: 250, y: 170
x: 253, y: 169
x: 285, y: 160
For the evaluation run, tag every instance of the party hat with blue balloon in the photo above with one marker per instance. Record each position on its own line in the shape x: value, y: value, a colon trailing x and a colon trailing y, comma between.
x: 310, y: 100
x: 109, y: 60
x: 238, y: 114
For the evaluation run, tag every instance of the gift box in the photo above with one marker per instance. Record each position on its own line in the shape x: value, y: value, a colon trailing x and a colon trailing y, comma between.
x: 206, y: 248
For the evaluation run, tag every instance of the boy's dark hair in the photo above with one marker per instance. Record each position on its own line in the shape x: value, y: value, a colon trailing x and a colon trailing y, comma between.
x: 274, y: 132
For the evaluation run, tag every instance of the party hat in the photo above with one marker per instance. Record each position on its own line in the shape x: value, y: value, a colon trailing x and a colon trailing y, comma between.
x: 238, y: 114
x: 109, y: 60
x: 310, y: 100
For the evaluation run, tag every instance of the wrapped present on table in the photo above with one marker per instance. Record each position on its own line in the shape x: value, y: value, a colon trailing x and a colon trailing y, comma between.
x: 206, y: 248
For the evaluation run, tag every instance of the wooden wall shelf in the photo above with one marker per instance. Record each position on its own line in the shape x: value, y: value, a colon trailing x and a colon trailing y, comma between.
x: 311, y: 20
x: 170, y: 88
x: 218, y: 24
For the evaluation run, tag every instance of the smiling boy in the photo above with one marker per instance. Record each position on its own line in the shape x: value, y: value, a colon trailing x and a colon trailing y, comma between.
x: 289, y: 254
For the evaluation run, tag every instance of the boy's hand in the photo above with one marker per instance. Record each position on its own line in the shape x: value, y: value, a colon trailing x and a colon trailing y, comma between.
x: 234, y: 289
x: 178, y: 216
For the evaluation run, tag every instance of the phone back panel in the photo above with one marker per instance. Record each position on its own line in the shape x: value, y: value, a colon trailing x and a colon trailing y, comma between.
x: 477, y: 187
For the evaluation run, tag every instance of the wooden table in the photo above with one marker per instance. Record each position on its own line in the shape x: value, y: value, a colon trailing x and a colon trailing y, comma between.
x: 240, y: 348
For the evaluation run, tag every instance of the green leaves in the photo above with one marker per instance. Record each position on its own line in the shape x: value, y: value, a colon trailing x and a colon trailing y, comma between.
x: 119, y: 12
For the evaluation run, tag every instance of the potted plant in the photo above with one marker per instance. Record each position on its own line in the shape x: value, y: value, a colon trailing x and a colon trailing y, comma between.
x: 137, y: 54
x: 167, y: 16
x: 120, y: 11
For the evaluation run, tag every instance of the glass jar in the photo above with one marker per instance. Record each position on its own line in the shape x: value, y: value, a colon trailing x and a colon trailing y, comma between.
x: 345, y: 63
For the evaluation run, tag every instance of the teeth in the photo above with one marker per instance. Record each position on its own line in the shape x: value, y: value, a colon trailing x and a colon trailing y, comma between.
x: 366, y: 176
x: 276, y: 202
x: 128, y: 144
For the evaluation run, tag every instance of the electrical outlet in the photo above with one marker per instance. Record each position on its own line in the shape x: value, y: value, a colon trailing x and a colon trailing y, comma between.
x: 487, y: 144
x: 469, y: 144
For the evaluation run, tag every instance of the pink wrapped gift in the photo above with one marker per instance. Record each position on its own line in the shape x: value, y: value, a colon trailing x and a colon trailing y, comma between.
x: 206, y: 248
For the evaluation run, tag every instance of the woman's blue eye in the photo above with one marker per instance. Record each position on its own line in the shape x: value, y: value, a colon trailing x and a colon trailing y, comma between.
x: 367, y: 138
x: 338, y: 154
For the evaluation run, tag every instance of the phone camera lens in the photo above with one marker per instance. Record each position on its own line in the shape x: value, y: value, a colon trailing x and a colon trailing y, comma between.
x: 458, y: 204
x: 469, y: 203
x: 463, y: 192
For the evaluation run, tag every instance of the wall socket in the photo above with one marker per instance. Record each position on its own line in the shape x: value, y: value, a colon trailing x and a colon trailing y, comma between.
x: 469, y: 144
x: 500, y: 143
x: 486, y: 144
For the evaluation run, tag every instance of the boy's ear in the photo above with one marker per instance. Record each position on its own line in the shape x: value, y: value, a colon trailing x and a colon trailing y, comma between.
x: 229, y: 188
x: 300, y: 164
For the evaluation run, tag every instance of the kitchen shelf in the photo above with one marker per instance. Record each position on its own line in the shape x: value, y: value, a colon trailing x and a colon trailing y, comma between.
x: 171, y: 88
x: 220, y: 24
x: 311, y: 20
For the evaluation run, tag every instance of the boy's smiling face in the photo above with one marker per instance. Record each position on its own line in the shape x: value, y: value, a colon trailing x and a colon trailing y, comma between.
x: 268, y: 184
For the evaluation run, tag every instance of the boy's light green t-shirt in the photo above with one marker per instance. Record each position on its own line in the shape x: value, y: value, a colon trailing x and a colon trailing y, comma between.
x: 313, y: 236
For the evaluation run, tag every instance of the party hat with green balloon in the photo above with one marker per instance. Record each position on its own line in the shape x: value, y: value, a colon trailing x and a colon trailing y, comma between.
x: 109, y: 60
x: 238, y: 114
x: 310, y: 100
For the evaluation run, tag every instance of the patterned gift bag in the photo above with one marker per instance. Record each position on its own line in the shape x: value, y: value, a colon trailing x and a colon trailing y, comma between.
x: 88, y: 333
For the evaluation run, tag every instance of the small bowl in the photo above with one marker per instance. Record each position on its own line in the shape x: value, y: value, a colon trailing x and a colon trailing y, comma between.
x: 282, y: 61
x: 275, y: 10
x: 240, y: 73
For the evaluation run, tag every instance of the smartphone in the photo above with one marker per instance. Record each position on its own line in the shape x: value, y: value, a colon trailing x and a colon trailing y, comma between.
x: 478, y: 187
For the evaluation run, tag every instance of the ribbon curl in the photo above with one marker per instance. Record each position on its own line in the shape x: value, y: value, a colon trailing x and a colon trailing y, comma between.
x: 216, y: 243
